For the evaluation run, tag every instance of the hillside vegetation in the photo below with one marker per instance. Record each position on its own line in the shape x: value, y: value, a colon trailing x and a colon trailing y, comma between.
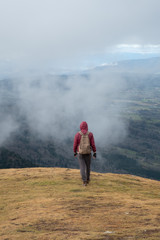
x: 51, y: 203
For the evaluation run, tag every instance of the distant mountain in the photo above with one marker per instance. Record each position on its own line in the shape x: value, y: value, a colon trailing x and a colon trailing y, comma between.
x: 145, y: 66
x: 151, y: 65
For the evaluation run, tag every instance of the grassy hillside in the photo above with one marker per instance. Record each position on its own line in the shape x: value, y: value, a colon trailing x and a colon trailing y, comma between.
x: 51, y: 203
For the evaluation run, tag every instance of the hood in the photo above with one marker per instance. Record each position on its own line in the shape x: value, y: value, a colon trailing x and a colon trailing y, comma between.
x: 84, y: 127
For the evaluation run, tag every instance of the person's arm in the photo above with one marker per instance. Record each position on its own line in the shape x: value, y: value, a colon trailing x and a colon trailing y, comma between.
x: 92, y: 142
x: 75, y: 144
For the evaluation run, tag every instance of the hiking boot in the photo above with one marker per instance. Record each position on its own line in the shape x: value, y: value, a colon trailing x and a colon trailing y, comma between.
x: 84, y: 183
x: 88, y: 181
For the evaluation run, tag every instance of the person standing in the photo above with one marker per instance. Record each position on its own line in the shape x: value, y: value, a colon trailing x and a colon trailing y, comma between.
x: 83, y: 144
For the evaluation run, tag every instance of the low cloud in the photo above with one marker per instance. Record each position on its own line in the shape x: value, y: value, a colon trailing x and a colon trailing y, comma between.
x: 7, y: 127
x: 137, y: 48
x: 55, y: 106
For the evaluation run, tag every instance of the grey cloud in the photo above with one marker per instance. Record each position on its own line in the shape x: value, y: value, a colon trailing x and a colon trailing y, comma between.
x: 7, y: 126
x: 55, y: 107
x: 61, y: 33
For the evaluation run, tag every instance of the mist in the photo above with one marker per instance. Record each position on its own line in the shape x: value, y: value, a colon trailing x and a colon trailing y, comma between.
x: 54, y: 106
x: 7, y: 127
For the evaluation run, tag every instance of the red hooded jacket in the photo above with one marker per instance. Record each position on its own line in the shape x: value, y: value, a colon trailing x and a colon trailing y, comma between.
x: 77, y: 138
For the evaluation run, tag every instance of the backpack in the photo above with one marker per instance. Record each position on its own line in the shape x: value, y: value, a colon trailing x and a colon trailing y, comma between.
x: 84, y: 147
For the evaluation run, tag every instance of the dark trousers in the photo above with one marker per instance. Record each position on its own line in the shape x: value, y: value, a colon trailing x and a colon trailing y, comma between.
x: 85, y: 163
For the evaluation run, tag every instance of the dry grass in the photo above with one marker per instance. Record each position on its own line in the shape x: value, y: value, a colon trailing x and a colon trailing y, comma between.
x: 51, y: 203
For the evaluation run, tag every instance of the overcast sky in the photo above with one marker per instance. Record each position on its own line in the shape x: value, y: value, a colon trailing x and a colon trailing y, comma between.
x: 65, y: 33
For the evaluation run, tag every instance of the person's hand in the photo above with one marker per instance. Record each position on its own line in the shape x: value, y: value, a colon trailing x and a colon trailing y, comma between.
x: 75, y: 154
x: 94, y: 155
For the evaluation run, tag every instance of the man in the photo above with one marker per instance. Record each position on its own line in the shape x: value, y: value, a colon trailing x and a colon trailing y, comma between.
x: 83, y: 144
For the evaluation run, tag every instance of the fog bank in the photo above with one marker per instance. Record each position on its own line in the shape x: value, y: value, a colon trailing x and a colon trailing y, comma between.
x: 54, y: 106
